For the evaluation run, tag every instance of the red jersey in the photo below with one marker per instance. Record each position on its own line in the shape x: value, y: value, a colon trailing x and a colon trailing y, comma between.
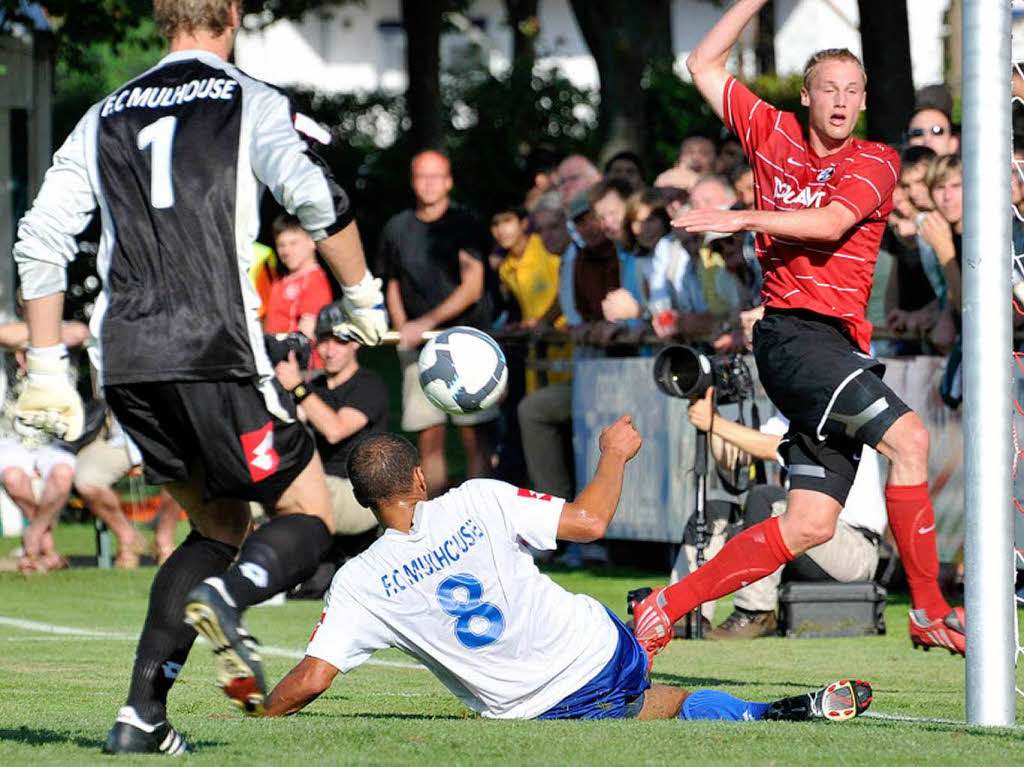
x: 294, y: 296
x: 833, y: 279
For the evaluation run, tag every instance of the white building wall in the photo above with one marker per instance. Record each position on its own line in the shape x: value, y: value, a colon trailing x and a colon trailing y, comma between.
x: 347, y: 49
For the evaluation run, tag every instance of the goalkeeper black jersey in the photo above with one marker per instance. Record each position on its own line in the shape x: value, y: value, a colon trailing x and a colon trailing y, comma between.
x: 177, y: 160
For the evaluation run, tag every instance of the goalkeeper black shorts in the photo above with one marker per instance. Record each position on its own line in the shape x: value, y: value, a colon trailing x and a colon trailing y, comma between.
x: 244, y: 437
x: 831, y: 392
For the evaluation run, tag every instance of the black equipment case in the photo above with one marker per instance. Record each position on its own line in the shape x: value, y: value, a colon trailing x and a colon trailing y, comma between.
x: 831, y: 609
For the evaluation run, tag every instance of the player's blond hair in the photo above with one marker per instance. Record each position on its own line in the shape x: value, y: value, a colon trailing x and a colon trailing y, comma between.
x: 942, y: 169
x: 176, y: 16
x: 831, y: 54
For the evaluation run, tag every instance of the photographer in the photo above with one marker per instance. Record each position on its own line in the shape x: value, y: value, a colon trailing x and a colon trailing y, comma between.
x: 851, y: 554
x: 341, y: 407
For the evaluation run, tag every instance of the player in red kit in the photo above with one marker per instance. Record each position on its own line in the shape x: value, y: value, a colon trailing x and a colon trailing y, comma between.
x: 822, y: 204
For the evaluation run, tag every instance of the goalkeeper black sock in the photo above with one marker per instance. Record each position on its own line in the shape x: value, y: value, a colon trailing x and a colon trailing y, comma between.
x: 166, y: 638
x: 281, y: 554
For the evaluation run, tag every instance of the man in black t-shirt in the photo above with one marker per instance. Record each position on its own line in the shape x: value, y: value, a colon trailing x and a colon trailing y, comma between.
x: 346, y: 404
x: 431, y: 260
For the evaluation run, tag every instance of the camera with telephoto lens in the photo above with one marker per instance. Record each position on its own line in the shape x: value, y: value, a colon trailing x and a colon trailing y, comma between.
x: 279, y: 344
x: 680, y: 371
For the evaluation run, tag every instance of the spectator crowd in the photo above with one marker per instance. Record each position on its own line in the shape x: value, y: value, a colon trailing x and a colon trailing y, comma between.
x: 586, y: 259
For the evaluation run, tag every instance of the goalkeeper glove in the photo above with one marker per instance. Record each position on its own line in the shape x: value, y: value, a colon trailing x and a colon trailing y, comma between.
x: 364, y: 305
x: 49, y: 401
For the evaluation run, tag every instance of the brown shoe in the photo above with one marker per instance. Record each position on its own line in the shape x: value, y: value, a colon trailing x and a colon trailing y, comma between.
x: 745, y: 625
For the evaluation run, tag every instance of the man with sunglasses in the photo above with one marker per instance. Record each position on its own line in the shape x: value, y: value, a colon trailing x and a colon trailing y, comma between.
x: 931, y: 125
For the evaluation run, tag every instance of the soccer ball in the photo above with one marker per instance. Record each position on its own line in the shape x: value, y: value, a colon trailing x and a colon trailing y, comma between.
x: 462, y: 370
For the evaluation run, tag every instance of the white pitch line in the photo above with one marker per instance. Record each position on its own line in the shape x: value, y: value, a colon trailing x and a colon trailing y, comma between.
x: 79, y: 633
x: 925, y: 720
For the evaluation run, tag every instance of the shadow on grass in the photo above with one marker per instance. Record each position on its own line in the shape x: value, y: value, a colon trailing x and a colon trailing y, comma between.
x: 697, y: 682
x: 31, y: 736
x: 377, y: 715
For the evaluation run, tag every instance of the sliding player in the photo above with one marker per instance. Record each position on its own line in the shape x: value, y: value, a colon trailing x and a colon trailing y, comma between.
x: 451, y: 583
x: 822, y: 201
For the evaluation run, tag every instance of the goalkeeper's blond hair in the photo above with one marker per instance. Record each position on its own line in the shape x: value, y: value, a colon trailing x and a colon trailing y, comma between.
x: 831, y: 54
x: 186, y: 16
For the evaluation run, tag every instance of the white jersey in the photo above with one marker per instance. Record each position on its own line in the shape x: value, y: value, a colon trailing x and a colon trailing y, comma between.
x: 461, y: 593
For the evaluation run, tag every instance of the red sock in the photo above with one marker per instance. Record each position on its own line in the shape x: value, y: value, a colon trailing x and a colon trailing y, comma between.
x: 749, y: 557
x: 912, y: 522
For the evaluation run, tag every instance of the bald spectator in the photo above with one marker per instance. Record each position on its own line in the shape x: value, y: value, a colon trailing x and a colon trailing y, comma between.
x: 575, y: 173
x: 931, y: 125
x: 431, y: 259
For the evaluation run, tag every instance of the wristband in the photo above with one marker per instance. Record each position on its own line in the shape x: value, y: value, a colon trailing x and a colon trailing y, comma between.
x: 300, y: 393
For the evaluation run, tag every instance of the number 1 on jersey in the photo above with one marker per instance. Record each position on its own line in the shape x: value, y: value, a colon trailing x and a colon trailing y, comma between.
x: 161, y: 135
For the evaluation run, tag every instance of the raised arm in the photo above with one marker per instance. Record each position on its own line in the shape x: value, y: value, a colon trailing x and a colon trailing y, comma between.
x: 707, y: 61
x: 587, y: 518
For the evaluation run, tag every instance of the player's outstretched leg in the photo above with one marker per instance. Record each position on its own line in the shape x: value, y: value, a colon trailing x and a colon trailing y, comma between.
x: 280, y: 554
x: 750, y: 556
x: 164, y: 645
x: 834, y: 702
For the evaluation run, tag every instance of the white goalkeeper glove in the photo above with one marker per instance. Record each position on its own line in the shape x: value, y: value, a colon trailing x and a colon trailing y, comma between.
x: 364, y: 305
x: 48, y: 401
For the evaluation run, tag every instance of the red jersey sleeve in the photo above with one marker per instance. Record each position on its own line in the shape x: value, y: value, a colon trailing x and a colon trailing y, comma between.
x: 867, y: 185
x: 316, y: 294
x: 752, y: 119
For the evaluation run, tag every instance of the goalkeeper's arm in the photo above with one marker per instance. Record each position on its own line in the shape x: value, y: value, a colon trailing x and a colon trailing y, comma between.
x: 46, y: 243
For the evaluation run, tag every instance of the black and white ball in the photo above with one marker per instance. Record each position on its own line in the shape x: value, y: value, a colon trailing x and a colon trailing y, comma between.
x: 462, y: 370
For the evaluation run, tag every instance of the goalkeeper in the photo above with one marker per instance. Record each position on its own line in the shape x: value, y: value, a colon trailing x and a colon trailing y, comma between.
x: 176, y: 161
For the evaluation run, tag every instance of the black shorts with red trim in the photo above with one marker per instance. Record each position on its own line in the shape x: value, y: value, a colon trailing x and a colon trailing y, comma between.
x: 244, y: 437
x: 831, y: 392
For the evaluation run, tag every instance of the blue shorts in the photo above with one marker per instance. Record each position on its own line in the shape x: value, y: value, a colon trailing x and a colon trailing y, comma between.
x: 617, y: 692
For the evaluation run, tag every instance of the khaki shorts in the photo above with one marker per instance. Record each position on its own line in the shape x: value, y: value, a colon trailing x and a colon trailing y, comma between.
x: 417, y: 412
x: 349, y: 517
x: 102, y: 463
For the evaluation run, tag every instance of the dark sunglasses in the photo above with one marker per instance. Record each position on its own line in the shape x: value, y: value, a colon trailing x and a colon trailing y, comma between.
x: 935, y: 130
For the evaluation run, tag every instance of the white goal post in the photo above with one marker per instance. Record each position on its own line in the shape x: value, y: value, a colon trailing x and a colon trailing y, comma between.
x: 987, y: 347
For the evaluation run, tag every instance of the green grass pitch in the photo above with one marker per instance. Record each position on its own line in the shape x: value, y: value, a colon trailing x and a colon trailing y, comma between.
x: 59, y: 693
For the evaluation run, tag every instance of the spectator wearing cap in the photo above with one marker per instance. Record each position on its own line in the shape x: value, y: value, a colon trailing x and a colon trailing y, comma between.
x: 931, y: 125
x: 627, y: 167
x: 342, y: 406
